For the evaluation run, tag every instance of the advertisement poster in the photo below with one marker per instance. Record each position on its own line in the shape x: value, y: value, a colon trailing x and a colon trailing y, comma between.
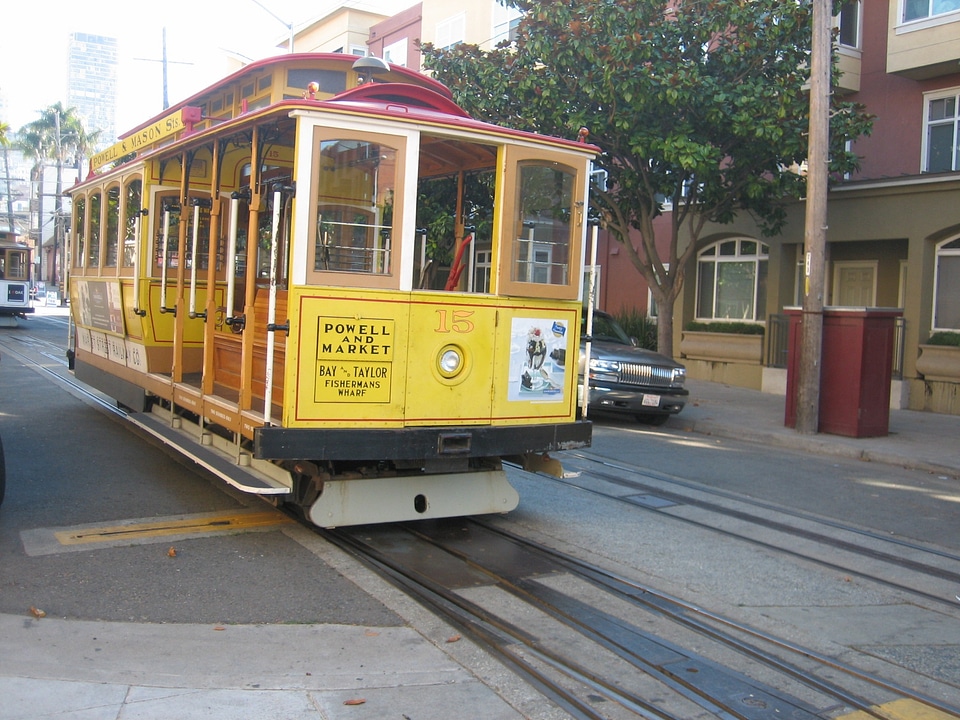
x: 537, y: 359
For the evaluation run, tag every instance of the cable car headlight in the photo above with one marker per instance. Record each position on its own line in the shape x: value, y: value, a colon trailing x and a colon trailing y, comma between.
x: 450, y: 361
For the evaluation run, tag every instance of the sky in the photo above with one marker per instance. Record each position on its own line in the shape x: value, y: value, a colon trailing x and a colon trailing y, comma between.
x: 33, y: 52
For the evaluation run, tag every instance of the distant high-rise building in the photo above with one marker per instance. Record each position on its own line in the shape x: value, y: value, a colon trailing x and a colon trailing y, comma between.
x: 92, y: 83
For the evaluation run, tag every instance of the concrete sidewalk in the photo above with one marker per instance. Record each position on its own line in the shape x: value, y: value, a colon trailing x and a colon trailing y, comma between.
x: 919, y: 440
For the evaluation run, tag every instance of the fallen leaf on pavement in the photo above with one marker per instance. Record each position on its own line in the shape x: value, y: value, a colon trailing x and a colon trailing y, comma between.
x: 453, y: 638
x: 37, y: 612
x: 355, y: 701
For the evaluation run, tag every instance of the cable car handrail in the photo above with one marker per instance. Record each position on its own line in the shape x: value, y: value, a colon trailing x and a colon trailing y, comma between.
x: 197, y: 204
x: 164, y: 259
x: 272, y: 326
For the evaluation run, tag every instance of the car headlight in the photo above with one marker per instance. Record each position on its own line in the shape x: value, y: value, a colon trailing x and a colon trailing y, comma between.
x: 679, y: 376
x: 608, y: 370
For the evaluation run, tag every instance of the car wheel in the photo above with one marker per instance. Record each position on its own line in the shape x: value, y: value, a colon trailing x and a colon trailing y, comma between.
x: 655, y: 420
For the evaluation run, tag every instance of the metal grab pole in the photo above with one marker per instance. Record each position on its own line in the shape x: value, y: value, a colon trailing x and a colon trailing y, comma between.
x: 193, y: 260
x: 136, y: 264
x: 198, y: 203
x: 163, y: 260
x: 232, y: 255
x: 585, y: 398
x: 272, y: 307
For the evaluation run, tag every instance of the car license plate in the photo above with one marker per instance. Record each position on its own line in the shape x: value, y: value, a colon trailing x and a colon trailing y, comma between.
x: 651, y: 401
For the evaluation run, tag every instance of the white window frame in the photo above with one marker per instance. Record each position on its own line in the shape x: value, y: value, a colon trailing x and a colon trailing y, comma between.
x: 396, y: 52
x: 902, y: 285
x: 941, y: 251
x: 858, y: 30
x: 925, y: 150
x: 482, y: 271
x: 505, y: 21
x: 931, y: 15
x: 451, y: 31
x: 653, y: 312
x: 738, y: 257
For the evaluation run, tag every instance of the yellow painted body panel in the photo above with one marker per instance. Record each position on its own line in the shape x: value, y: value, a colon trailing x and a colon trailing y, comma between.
x: 371, y: 359
x: 107, y: 304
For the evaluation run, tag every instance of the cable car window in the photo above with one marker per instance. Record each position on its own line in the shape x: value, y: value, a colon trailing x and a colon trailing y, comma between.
x: 329, y: 81
x: 93, y: 257
x: 79, y: 224
x: 167, y: 204
x: 545, y: 200
x: 113, y: 227
x: 131, y: 211
x: 355, y: 203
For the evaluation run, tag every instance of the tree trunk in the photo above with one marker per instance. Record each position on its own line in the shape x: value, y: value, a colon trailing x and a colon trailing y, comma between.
x: 665, y: 326
x: 11, y: 221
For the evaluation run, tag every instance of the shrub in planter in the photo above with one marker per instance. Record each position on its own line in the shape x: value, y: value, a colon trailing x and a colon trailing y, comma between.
x: 946, y: 339
x: 732, y: 327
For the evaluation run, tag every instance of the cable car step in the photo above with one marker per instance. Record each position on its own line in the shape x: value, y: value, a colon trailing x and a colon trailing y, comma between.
x: 221, y: 464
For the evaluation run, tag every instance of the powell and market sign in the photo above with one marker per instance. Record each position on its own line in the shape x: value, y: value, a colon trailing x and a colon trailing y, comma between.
x: 163, y: 128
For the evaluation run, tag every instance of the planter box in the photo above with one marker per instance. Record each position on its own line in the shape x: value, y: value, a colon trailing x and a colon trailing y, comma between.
x: 722, y: 347
x: 939, y: 363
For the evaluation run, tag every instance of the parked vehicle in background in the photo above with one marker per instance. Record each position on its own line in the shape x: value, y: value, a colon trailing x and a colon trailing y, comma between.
x: 627, y: 379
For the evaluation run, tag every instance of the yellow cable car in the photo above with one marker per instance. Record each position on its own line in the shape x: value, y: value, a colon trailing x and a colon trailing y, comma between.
x: 334, y: 288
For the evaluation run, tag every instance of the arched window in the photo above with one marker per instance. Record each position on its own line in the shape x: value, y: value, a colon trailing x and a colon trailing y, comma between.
x: 79, y: 231
x: 946, y: 288
x: 732, y: 280
x: 131, y: 212
x: 93, y: 252
x: 113, y: 227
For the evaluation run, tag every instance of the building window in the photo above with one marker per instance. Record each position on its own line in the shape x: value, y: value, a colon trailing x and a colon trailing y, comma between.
x: 396, y: 53
x: 942, y: 151
x: 652, y: 311
x: 506, y: 20
x: 732, y: 280
x: 919, y: 9
x: 451, y: 31
x: 946, y: 289
x: 848, y: 20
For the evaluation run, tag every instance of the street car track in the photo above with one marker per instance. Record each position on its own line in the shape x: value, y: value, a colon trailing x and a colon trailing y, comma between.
x: 658, y: 492
x: 498, y: 586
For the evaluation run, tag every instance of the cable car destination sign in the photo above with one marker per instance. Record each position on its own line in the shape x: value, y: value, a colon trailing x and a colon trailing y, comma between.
x: 144, y: 137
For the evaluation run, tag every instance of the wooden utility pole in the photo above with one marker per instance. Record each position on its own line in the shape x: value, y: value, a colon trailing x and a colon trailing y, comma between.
x: 165, y: 63
x: 815, y: 233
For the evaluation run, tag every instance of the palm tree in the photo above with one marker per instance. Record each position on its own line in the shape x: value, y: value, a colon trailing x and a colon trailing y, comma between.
x: 5, y: 144
x: 58, y: 135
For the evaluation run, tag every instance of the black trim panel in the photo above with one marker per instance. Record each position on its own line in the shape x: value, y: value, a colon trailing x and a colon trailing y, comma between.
x: 417, y: 443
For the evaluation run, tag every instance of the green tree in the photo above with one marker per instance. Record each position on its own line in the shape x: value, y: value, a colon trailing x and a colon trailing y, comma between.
x: 58, y: 136
x: 696, y: 105
x: 5, y: 146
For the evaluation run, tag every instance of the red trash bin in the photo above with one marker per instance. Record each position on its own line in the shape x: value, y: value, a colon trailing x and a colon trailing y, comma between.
x: 856, y: 368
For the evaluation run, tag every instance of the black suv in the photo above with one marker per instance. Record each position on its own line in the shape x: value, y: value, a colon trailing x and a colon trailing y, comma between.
x: 627, y: 379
